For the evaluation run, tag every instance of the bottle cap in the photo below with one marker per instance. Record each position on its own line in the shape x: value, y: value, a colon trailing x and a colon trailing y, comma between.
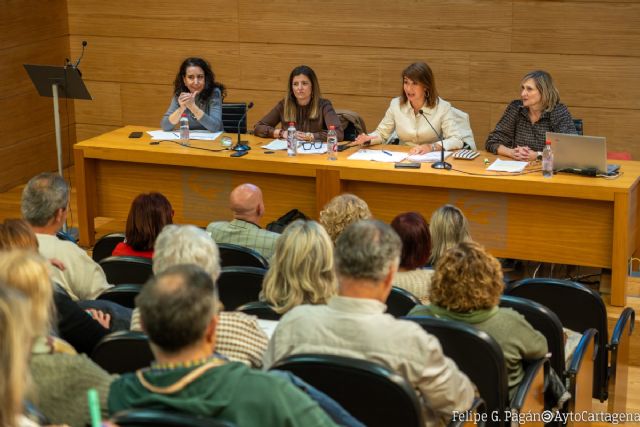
x: 332, y: 127
x: 292, y: 123
x: 184, y: 115
x: 548, y: 142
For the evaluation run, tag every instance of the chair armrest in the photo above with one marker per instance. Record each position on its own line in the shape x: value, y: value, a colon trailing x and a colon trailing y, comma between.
x: 619, y: 360
x: 581, y: 370
x: 530, y: 393
x: 478, y: 406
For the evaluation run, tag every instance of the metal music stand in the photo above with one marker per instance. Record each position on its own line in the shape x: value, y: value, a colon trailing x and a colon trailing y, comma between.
x: 58, y: 82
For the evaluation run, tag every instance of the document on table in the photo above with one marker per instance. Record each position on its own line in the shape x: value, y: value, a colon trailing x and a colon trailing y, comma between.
x: 431, y: 157
x: 281, y: 144
x: 275, y: 145
x: 202, y: 135
x: 379, y: 155
x: 507, y: 166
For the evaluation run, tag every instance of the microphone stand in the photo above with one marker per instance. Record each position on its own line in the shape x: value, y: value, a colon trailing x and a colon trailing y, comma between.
x: 242, y: 145
x: 441, y: 164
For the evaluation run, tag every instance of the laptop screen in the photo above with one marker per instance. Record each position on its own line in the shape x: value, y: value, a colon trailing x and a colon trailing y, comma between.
x: 578, y: 151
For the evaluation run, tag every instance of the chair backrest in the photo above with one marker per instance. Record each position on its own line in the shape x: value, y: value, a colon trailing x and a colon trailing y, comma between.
x: 240, y: 256
x: 239, y: 285
x: 579, y: 126
x: 126, y: 269
x: 123, y: 351
x: 157, y: 417
x: 476, y: 354
x: 105, y: 246
x: 400, y: 302
x: 373, y: 394
x: 123, y: 294
x: 260, y: 309
x: 546, y: 322
x: 578, y: 308
x: 231, y: 114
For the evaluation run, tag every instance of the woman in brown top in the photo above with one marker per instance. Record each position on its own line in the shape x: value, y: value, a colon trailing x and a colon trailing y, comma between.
x: 303, y: 105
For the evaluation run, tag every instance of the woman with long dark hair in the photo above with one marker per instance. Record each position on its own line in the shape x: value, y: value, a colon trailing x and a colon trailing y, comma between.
x: 196, y: 93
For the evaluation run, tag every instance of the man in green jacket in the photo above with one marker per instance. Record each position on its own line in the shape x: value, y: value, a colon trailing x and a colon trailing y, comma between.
x: 179, y: 313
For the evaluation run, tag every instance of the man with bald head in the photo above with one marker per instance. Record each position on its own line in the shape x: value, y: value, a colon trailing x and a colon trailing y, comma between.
x: 247, y: 207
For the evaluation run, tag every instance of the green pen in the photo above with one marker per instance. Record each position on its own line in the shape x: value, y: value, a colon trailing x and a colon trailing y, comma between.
x: 94, y: 407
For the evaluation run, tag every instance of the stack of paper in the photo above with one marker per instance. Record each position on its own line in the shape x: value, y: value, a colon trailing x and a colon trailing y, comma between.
x: 507, y: 166
x: 379, y: 155
x: 175, y: 135
x: 281, y: 144
x: 431, y: 157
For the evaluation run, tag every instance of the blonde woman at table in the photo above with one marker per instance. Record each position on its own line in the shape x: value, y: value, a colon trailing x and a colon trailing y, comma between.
x: 304, y: 105
x: 521, y: 132
x: 196, y: 93
x: 407, y: 115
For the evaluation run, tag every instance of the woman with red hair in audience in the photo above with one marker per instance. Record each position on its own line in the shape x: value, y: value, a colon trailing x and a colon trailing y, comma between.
x: 148, y: 215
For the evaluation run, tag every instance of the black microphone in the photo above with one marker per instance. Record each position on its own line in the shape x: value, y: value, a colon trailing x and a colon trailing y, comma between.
x: 241, y: 145
x: 84, y: 43
x: 441, y: 164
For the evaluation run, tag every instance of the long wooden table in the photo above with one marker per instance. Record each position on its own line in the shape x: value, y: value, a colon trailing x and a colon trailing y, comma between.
x: 566, y: 219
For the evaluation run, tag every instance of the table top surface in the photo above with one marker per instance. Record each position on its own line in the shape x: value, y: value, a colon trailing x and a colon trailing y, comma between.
x: 466, y: 174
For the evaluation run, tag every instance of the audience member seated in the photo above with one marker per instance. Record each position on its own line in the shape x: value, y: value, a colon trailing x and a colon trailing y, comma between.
x: 341, y: 211
x: 303, y: 104
x: 247, y: 207
x: 197, y: 94
x: 81, y: 330
x: 448, y: 227
x: 302, y: 268
x: 45, y: 203
x: 239, y: 337
x: 404, y: 116
x: 466, y: 287
x: 148, y: 215
x: 416, y: 250
x: 55, y: 366
x: 521, y: 132
x: 354, y: 323
x: 187, y: 375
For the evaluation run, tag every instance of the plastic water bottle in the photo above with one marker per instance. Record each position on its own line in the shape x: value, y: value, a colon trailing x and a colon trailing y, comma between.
x: 292, y: 143
x: 184, y: 129
x: 332, y: 143
x: 547, y: 160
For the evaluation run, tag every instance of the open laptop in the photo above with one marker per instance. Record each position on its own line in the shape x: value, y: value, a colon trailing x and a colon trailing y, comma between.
x: 580, y: 154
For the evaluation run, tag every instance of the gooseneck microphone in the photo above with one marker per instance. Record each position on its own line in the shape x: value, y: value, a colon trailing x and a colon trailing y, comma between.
x: 84, y: 44
x: 441, y: 164
x: 241, y: 145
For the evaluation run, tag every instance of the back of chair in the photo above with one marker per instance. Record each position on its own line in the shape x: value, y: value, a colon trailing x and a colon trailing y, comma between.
x: 239, y: 285
x: 579, y: 126
x: 260, y: 309
x: 578, y: 308
x: 546, y: 322
x: 231, y: 114
x: 400, y: 302
x: 476, y: 354
x: 373, y: 394
x: 105, y: 245
x: 124, y: 294
x: 126, y: 269
x: 157, y: 417
x: 239, y: 256
x: 123, y: 351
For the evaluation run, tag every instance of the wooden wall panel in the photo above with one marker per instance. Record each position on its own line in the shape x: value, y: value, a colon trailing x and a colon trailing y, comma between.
x: 105, y: 106
x: 195, y: 20
x: 86, y: 131
x: 28, y: 21
x: 464, y: 24
x: 594, y: 29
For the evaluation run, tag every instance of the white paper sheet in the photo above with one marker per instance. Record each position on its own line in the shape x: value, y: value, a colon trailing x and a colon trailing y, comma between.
x: 175, y: 135
x: 379, y: 155
x: 507, y: 166
x: 275, y: 145
x: 430, y: 157
x: 268, y: 326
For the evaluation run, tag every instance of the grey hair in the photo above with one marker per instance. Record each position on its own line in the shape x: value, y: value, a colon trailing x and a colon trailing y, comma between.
x: 186, y: 244
x: 43, y: 195
x: 366, y: 250
x: 177, y: 305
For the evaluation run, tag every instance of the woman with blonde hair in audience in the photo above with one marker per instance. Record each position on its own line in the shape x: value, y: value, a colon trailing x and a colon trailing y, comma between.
x: 148, y: 215
x: 416, y: 251
x: 466, y: 287
x: 301, y: 270
x: 303, y: 104
x: 448, y: 227
x: 341, y: 211
x: 54, y: 363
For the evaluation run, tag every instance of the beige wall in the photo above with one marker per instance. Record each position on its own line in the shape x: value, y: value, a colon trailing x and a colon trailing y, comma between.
x: 479, y: 49
x: 32, y: 32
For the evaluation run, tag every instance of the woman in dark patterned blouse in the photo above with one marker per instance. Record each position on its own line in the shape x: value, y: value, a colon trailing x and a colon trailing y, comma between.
x: 521, y: 132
